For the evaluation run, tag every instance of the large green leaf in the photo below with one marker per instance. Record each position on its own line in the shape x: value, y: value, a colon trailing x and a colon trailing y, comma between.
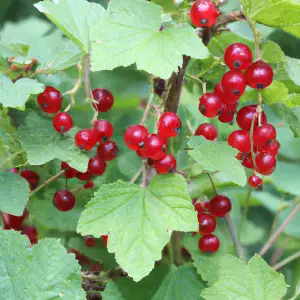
x: 130, y: 33
x: 292, y: 67
x: 45, y: 271
x: 217, y: 157
x: 275, y: 93
x: 254, y: 281
x: 139, y: 221
x: 14, y: 192
x: 42, y: 143
x: 16, y: 94
x: 283, y: 14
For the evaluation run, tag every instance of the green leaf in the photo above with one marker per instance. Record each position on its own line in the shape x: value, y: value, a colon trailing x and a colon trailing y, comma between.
x: 42, y: 143
x: 14, y: 193
x: 240, y: 281
x: 217, y: 157
x: 207, y: 264
x: 275, y: 93
x: 283, y: 14
x: 130, y: 34
x: 16, y: 94
x: 292, y: 67
x: 139, y: 221
x: 55, y: 53
x: 181, y: 283
x: 272, y: 53
x: 44, y: 271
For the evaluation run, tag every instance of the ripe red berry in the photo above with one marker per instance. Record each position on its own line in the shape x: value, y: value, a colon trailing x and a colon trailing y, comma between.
x: 97, y: 165
x: 140, y: 154
x: 80, y: 257
x: 32, y: 178
x: 209, y: 243
x: 207, y: 223
x: 259, y: 75
x: 155, y: 147
x: 225, y: 98
x: 103, y: 130
x: 245, y: 116
x: 64, y: 200
x: 165, y: 165
x: 227, y: 115
x: 238, y: 56
x: 169, y: 125
x: 264, y: 134
x: 89, y: 185
x: 62, y: 122
x: 206, y: 205
x: 204, y: 13
x: 90, y: 241
x: 210, y: 105
x: 85, y: 139
x: 108, y: 151
x: 86, y: 176
x: 104, y: 99
x: 13, y: 222
x: 135, y: 136
x: 219, y: 206
x: 234, y: 84
x: 31, y: 232
x: 69, y: 172
x: 105, y: 239
x: 240, y: 139
x: 198, y: 206
x: 207, y: 130
x: 50, y: 100
x: 255, y: 181
x: 271, y: 147
x: 247, y: 160
x: 265, y: 163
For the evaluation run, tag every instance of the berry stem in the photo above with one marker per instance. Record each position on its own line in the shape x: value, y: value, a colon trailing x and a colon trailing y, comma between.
x: 136, y: 176
x: 194, y: 77
x: 245, y: 210
x: 212, y: 183
x: 277, y: 233
x: 148, y: 108
x: 286, y: 261
x: 170, y: 252
x: 53, y: 178
x: 277, y: 215
x: 256, y: 41
x: 176, y: 237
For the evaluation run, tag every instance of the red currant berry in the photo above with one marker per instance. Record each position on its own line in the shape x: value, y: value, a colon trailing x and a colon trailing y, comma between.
x: 247, y: 160
x: 140, y: 154
x: 165, y: 165
x: 209, y: 243
x: 271, y: 147
x: 155, y: 147
x: 219, y: 206
x: 32, y: 178
x: 264, y: 134
x: 169, y: 125
x: 210, y: 105
x: 259, y: 75
x: 226, y: 116
x: 240, y: 139
x: 265, y: 163
x: 31, y: 232
x: 80, y: 257
x: 105, y: 239
x: 64, y: 200
x: 198, y: 206
x: 69, y: 172
x: 108, y: 151
x: 245, y: 116
x: 62, y: 122
x: 206, y: 205
x: 238, y: 56
x: 225, y: 98
x: 50, y: 100
x: 89, y: 241
x: 135, y: 136
x: 255, y: 181
x: 86, y: 176
x: 207, y: 223
x: 97, y: 165
x: 13, y: 222
x: 104, y: 99
x: 234, y: 83
x: 204, y: 13
x: 89, y: 185
x: 85, y: 139
x: 207, y: 130
x: 104, y: 130
x: 13, y: 170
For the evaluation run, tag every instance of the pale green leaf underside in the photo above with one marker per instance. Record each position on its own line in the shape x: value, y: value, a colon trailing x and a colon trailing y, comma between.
x: 42, y: 144
x: 218, y: 157
x: 283, y: 14
x: 139, y: 221
x: 130, y: 34
x: 45, y: 271
x: 255, y: 281
x: 14, y: 193
x: 16, y: 94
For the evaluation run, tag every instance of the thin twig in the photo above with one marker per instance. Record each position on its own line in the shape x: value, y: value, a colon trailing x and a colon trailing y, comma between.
x: 46, y: 183
x: 147, y: 110
x: 277, y: 215
x: 286, y: 261
x: 137, y: 175
x: 245, y: 210
x: 230, y: 17
x: 238, y: 248
x: 194, y: 77
x: 277, y: 233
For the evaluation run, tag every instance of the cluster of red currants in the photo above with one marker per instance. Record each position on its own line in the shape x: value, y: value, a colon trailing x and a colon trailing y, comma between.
x: 154, y: 146
x: 218, y: 207
x: 204, y: 13
x: 50, y: 101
